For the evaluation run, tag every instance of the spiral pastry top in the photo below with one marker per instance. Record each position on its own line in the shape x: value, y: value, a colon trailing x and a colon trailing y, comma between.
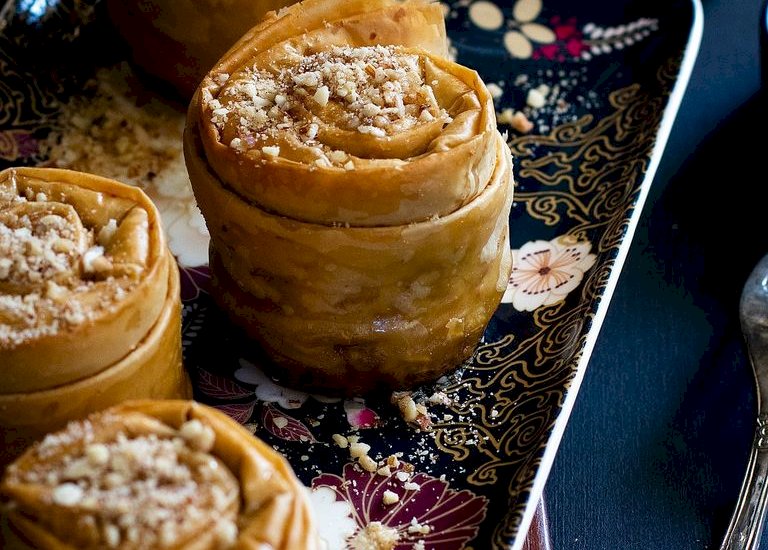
x: 83, y: 275
x: 156, y: 474
x: 347, y: 112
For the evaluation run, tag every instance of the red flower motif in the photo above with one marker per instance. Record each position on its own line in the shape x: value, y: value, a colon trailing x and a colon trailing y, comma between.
x: 568, y: 41
x: 428, y: 511
x: 564, y: 31
x: 548, y: 51
x: 575, y: 46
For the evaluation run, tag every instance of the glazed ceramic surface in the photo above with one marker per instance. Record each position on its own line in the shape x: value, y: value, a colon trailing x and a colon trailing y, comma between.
x: 600, y: 83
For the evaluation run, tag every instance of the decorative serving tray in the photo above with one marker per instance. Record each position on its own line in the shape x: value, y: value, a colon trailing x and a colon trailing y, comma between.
x: 600, y: 84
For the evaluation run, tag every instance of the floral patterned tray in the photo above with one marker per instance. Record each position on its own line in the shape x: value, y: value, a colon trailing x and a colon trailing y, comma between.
x: 600, y: 83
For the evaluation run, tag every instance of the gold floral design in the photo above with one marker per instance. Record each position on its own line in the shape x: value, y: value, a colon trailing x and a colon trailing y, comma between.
x: 588, y: 176
x: 523, y: 30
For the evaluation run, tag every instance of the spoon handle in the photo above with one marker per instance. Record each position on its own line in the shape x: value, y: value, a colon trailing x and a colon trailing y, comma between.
x: 747, y: 522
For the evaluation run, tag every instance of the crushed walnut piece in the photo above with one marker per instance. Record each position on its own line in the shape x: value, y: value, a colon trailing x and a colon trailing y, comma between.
x: 413, y: 413
x: 377, y: 90
x: 47, y: 260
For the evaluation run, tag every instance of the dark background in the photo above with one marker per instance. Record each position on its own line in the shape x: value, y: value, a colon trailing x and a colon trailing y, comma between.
x: 657, y: 444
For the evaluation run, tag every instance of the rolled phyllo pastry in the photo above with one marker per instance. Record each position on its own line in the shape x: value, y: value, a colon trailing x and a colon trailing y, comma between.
x: 356, y: 190
x: 155, y: 474
x: 180, y: 40
x: 89, y: 301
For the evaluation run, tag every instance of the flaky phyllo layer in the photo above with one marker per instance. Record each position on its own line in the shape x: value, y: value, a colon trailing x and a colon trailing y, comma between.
x: 156, y: 475
x: 58, y: 268
x: 78, y: 254
x: 364, y: 100
x: 356, y: 190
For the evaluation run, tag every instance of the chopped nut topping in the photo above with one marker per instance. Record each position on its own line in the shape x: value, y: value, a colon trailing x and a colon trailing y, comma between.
x: 198, y: 435
x: 97, y: 453
x: 380, y: 90
x: 107, y: 232
x: 47, y: 261
x: 142, y: 491
x: 67, y: 494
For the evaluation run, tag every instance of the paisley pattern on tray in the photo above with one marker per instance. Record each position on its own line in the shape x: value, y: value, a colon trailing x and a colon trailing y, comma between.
x: 594, y: 80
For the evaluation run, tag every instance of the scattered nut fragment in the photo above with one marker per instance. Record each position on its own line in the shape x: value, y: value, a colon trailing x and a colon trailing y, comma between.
x: 367, y: 463
x: 516, y: 119
x: 390, y: 497
x: 439, y: 398
x: 415, y: 528
x: 341, y: 441
x: 393, y: 461
x: 520, y: 123
x: 406, y: 404
x: 536, y: 99
x: 356, y: 450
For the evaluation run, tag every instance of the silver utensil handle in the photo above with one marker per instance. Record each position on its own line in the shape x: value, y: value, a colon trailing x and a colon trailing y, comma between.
x: 747, y: 521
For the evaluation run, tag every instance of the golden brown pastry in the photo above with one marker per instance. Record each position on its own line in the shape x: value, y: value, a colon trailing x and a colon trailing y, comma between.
x: 356, y: 190
x: 180, y: 40
x: 155, y: 474
x: 89, y: 301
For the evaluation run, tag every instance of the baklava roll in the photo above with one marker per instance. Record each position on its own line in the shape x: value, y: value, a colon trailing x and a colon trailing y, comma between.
x: 356, y: 190
x: 179, y: 41
x: 89, y: 301
x: 155, y: 474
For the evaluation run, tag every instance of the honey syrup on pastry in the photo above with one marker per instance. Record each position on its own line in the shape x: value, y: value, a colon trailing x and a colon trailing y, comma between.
x: 55, y: 272
x: 378, y: 91
x: 130, y: 482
